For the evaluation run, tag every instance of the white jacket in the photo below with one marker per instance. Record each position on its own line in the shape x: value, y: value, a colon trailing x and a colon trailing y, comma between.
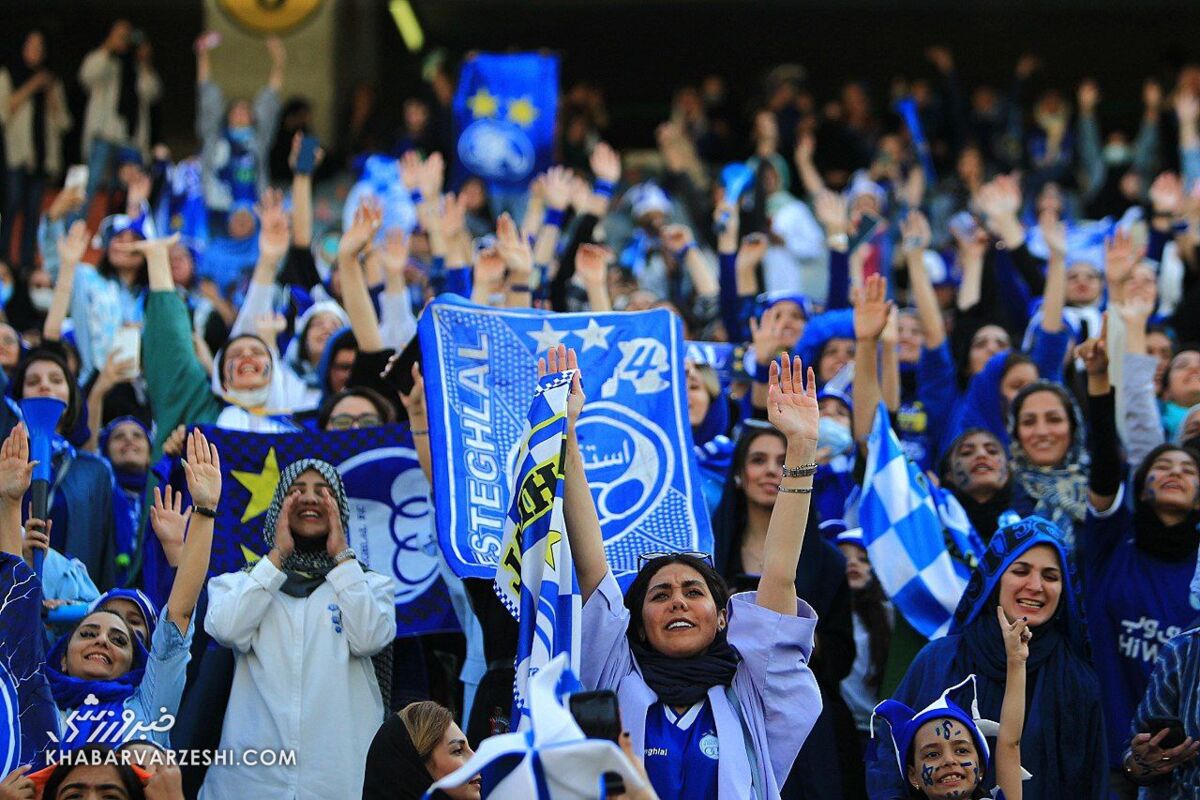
x: 303, y: 682
x: 100, y: 74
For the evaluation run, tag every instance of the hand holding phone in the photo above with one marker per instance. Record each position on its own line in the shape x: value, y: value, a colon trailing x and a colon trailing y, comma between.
x: 599, y: 717
x: 306, y: 158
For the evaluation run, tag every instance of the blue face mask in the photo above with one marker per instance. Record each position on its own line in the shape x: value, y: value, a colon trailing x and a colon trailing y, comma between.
x: 241, y: 135
x: 6, y: 290
x: 835, y: 436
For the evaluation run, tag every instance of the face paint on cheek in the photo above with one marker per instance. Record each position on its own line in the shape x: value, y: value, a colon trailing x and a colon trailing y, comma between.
x: 962, y: 478
x: 927, y: 775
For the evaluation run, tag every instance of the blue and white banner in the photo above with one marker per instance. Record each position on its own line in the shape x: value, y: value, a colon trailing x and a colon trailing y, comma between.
x: 391, y: 527
x: 904, y: 536
x: 504, y: 115
x: 718, y: 355
x: 480, y: 368
x: 535, y: 579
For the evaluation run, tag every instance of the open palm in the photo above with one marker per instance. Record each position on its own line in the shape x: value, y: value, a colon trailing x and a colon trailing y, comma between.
x: 791, y: 407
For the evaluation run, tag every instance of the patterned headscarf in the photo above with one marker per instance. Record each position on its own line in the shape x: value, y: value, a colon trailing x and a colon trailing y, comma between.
x: 315, y: 563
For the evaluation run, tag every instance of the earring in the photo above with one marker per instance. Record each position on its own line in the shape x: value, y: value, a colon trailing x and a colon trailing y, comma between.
x: 737, y: 480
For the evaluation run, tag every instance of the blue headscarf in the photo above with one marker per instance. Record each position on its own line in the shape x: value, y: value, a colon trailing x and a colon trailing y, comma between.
x: 71, y: 693
x: 982, y: 405
x: 135, y: 596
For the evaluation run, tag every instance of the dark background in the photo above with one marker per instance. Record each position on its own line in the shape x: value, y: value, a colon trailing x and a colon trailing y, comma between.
x: 639, y: 52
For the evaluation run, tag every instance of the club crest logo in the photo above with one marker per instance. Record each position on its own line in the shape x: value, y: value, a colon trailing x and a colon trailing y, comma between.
x: 497, y: 150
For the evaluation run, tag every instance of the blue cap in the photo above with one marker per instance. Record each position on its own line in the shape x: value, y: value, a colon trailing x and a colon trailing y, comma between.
x: 904, y: 722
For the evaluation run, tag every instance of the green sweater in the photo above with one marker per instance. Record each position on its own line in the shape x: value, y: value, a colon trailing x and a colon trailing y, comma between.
x: 179, y: 388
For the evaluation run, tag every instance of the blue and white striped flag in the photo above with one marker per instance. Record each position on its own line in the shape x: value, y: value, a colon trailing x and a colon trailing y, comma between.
x: 905, y: 538
x: 535, y: 578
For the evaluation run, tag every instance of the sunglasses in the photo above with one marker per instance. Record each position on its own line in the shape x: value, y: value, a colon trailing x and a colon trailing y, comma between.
x: 646, y: 558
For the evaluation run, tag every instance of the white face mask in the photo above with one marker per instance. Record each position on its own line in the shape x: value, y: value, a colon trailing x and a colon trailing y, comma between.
x: 41, y: 297
x: 250, y: 398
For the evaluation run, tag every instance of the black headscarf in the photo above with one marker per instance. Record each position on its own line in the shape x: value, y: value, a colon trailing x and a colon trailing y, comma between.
x: 395, y: 770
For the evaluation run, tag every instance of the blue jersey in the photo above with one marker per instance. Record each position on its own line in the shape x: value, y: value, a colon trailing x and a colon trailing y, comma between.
x: 682, y: 751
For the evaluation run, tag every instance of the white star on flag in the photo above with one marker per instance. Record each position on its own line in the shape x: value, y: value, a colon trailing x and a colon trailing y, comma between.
x: 595, y: 335
x: 547, y: 337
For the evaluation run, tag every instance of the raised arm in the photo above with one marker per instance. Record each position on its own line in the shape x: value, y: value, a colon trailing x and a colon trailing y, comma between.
x: 16, y: 473
x: 278, y: 54
x: 793, y: 410
x: 302, y: 217
x: 680, y: 240
x: 1000, y: 202
x: 1105, y: 476
x: 70, y: 250
x: 871, y: 311
x: 418, y: 421
x: 355, y: 294
x: 1055, y: 234
x: 203, y: 469
x: 591, y: 265
x: 579, y: 509
x: 272, y: 247
x: 1012, y: 712
x: 915, y: 229
x: 514, y: 249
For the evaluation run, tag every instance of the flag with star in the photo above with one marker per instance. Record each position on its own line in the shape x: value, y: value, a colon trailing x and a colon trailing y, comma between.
x: 480, y: 367
x: 504, y: 118
x: 391, y: 526
x: 535, y: 578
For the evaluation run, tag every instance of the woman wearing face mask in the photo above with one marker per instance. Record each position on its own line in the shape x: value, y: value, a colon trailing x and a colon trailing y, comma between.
x: 303, y: 622
x: 1049, y: 460
x: 415, y: 747
x: 1026, y: 572
x: 688, y: 662
x: 1139, y: 565
x: 104, y: 658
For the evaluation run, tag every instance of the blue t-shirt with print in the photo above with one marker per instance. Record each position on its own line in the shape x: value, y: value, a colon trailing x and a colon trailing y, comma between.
x: 682, y: 752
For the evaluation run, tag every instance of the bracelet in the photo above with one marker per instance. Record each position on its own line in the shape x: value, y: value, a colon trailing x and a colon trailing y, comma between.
x: 795, y: 490
x: 553, y: 216
x: 518, y: 287
x: 839, y: 241
x: 802, y: 471
x: 416, y: 197
x: 603, y: 188
x: 762, y: 373
x: 422, y: 432
x: 205, y: 511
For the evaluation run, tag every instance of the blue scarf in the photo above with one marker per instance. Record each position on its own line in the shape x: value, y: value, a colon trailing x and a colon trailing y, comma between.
x: 71, y: 693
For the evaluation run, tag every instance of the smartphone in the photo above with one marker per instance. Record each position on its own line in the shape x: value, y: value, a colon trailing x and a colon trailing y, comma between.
x: 307, y: 157
x: 77, y: 177
x: 398, y: 373
x: 599, y: 717
x: 1175, y: 736
x: 127, y: 344
x: 866, y: 229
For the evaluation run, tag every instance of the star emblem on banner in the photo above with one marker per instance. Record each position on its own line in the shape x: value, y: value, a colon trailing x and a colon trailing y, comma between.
x: 547, y: 337
x: 522, y: 111
x: 594, y: 335
x: 261, y: 486
x: 483, y: 103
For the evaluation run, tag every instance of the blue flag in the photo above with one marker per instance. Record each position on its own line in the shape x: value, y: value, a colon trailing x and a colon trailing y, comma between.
x: 718, y: 355
x: 535, y: 578
x: 480, y: 369
x: 390, y: 525
x: 504, y: 116
x: 904, y: 536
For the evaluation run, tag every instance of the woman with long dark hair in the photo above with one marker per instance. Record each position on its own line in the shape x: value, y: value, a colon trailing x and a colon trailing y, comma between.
x: 715, y: 690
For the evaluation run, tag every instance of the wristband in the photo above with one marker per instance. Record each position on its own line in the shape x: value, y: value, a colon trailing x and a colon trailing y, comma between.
x: 417, y: 197
x: 603, y: 188
x: 205, y: 511
x: 762, y: 373
x: 682, y: 252
x: 518, y: 287
x: 839, y: 241
x: 553, y: 216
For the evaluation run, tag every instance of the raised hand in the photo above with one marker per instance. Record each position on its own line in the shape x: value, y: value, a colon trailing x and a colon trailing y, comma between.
x: 432, y: 174
x: 367, y: 219
x: 1187, y: 107
x: 72, y: 246
x: 394, y: 254
x: 1054, y: 232
x: 285, y: 544
x: 276, y: 50
x: 489, y: 268
x: 556, y: 187
x: 1017, y: 635
x: 768, y: 336
x: 169, y: 522
x: 453, y: 215
x: 16, y: 470
x: 1152, y: 97
x: 37, y: 537
x: 1166, y: 193
x: 513, y: 247
x: 751, y: 252
x: 294, y: 153
x: 115, y: 370
x: 806, y: 147
x: 273, y: 237
x: 605, y: 163
x: 791, y: 407
x: 1138, y: 305
x: 871, y: 308
x: 1088, y: 96
x: 203, y: 469
x: 1121, y: 255
x: 269, y: 326
x: 414, y: 401
x: 1094, y: 352
x: 410, y: 169
x: 591, y: 263
x: 561, y: 359
x: 173, y: 446
x: 17, y: 785
x: 832, y: 213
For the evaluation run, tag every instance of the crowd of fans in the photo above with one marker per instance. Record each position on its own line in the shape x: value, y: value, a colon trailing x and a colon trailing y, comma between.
x: 1018, y: 285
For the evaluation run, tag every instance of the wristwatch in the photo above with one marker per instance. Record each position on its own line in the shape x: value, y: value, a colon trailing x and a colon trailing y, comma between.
x: 345, y: 555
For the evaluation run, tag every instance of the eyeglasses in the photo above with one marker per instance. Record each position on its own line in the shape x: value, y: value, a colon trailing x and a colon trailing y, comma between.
x: 344, y: 422
x: 646, y: 558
